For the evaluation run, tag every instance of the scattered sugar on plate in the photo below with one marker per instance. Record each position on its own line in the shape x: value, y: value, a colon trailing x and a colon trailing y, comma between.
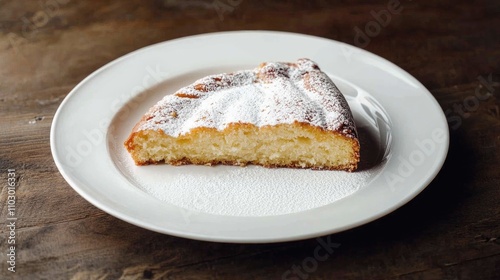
x: 242, y: 191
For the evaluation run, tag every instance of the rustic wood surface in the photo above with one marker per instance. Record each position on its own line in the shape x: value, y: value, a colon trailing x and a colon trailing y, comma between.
x: 450, y: 231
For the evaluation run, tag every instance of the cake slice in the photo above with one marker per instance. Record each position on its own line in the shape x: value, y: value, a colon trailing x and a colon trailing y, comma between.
x: 277, y: 115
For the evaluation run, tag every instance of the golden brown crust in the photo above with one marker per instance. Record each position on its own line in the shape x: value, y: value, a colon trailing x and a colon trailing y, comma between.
x: 185, y: 161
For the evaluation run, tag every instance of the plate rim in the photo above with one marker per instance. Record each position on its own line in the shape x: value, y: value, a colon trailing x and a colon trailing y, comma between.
x: 59, y: 163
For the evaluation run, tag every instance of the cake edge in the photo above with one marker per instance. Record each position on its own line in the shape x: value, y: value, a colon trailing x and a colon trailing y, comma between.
x: 351, y: 137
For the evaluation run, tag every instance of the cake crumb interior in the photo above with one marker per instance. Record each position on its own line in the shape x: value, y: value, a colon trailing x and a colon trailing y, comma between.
x: 284, y: 145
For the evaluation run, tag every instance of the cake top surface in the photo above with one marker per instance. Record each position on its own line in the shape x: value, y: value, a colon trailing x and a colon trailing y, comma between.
x: 273, y: 93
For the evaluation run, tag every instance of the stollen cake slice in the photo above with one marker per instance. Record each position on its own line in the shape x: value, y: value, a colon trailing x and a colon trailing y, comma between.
x: 280, y: 114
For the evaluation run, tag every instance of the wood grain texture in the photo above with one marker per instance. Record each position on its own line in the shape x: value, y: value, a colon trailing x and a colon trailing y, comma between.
x: 450, y: 231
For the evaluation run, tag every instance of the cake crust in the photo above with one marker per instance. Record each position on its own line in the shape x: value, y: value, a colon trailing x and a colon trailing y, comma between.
x: 287, y: 95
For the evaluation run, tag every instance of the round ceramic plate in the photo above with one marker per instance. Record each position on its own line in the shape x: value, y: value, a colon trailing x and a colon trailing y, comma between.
x: 403, y: 134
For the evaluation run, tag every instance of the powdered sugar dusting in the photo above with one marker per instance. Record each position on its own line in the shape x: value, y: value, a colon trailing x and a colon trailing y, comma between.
x: 271, y: 94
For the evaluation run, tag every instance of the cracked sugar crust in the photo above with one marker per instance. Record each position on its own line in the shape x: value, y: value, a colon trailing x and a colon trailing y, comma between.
x: 273, y: 93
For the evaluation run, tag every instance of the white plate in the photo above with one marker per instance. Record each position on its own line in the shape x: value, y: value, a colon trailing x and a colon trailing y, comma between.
x: 403, y: 130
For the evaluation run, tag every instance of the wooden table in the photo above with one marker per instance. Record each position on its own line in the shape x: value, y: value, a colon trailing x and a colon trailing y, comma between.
x: 450, y: 231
